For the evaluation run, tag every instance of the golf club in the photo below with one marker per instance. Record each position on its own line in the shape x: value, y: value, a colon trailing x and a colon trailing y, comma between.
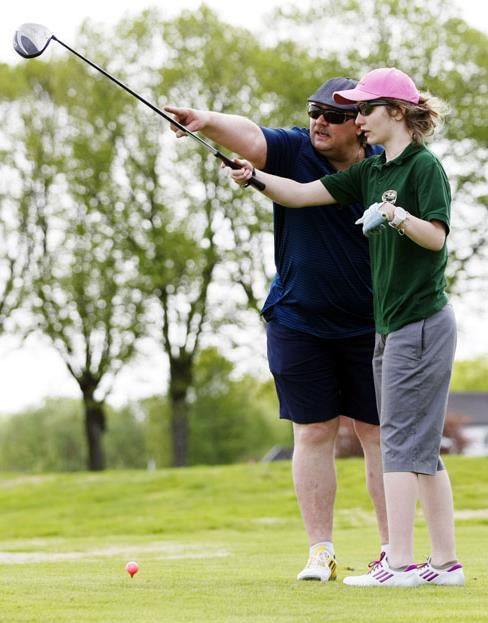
x: 30, y: 40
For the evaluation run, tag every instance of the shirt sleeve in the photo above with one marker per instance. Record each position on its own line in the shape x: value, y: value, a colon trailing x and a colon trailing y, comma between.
x: 433, y: 191
x: 345, y: 186
x: 282, y: 147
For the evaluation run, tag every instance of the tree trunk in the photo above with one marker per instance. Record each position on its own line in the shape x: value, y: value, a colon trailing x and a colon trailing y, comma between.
x: 94, y: 428
x: 180, y: 382
x: 179, y: 433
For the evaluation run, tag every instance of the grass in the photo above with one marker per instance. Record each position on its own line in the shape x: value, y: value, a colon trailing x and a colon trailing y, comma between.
x: 214, y: 544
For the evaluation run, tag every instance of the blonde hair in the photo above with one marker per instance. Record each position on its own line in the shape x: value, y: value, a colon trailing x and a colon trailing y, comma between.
x: 422, y: 119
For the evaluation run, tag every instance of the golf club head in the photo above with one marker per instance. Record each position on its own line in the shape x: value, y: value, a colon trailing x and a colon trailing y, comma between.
x: 31, y: 40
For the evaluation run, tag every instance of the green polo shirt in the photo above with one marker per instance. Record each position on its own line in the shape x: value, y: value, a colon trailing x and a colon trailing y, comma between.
x: 408, y: 281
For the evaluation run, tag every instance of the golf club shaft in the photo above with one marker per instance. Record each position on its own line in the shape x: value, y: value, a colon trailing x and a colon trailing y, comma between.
x: 227, y: 161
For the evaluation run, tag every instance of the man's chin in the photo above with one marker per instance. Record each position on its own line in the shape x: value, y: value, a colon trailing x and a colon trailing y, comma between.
x: 322, y: 142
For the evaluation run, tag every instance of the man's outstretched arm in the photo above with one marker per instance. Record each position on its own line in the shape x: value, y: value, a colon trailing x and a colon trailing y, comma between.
x: 234, y: 132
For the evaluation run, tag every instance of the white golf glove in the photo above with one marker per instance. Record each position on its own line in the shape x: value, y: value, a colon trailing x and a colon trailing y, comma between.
x: 373, y: 220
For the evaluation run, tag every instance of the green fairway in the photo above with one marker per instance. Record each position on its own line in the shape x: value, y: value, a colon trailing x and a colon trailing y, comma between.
x: 214, y: 544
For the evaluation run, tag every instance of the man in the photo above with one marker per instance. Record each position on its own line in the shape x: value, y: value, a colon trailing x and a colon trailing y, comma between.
x: 319, y: 312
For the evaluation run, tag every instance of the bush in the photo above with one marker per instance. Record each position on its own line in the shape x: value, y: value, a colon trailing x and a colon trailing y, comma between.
x: 49, y: 438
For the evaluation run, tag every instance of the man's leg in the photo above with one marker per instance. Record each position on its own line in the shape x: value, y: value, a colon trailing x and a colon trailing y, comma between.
x: 360, y: 404
x: 314, y: 476
x: 304, y: 368
x: 369, y: 436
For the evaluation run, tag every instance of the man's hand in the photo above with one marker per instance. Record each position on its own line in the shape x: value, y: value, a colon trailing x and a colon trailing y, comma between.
x: 374, y: 219
x: 193, y: 119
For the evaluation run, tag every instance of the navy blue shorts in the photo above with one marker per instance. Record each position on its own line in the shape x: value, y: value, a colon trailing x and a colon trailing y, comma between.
x: 319, y: 379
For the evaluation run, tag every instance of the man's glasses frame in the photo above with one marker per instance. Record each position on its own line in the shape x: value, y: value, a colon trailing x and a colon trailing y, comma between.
x: 335, y: 117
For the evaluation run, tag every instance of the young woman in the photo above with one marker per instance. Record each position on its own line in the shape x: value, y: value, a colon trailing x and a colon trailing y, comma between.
x: 407, y: 224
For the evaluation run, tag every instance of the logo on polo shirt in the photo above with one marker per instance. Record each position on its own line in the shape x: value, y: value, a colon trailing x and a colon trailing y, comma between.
x: 389, y: 195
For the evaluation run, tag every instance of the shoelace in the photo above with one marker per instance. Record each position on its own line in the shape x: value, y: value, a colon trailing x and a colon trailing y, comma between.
x: 427, y: 563
x: 374, y: 564
x: 320, y: 557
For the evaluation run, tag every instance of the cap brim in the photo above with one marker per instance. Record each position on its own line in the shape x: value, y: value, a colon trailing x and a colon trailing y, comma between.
x: 353, y: 95
x: 346, y: 107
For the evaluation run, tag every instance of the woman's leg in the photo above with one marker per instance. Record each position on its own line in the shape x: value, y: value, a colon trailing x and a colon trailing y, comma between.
x: 437, y: 503
x: 401, y: 491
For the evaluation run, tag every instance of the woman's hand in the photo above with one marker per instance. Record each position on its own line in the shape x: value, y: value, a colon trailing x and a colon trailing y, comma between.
x: 282, y: 190
x: 388, y: 210
x: 243, y: 175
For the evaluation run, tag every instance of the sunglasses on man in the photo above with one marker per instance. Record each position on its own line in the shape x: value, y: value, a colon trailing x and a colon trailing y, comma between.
x: 331, y: 116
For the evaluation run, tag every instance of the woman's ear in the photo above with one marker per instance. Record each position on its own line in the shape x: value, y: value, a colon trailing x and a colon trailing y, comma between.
x: 397, y: 113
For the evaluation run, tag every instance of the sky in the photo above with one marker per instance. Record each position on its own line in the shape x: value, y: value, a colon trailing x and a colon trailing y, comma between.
x: 63, y: 18
x: 33, y: 371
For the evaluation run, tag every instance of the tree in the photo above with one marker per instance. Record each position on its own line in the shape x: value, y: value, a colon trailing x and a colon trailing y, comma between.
x: 18, y: 249
x: 229, y: 421
x: 84, y: 297
x: 195, y: 240
x: 126, y: 441
x: 115, y: 226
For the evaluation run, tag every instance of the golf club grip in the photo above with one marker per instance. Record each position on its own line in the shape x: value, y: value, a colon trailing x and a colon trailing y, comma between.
x: 233, y: 165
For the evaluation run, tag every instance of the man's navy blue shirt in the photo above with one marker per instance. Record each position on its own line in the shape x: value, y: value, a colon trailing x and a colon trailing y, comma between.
x: 323, y: 281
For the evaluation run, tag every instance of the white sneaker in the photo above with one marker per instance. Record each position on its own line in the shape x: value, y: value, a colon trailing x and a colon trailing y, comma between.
x: 454, y: 576
x: 380, y: 574
x: 320, y: 566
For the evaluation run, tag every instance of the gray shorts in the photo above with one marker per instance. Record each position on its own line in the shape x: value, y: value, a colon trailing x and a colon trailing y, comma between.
x: 412, y: 371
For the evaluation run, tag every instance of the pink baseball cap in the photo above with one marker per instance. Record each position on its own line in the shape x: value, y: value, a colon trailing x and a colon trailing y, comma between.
x: 385, y: 82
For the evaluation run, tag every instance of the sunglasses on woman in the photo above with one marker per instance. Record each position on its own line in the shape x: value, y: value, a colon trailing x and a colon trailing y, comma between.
x: 366, y: 108
x: 331, y: 116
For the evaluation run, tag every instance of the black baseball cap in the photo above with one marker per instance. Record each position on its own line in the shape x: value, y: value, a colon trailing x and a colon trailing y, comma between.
x: 325, y: 93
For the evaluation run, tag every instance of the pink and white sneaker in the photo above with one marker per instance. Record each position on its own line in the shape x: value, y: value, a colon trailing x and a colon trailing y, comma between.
x: 380, y: 574
x: 454, y: 576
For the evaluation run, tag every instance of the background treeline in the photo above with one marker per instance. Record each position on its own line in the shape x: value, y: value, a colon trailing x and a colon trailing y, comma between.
x: 111, y: 232
x: 231, y: 420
